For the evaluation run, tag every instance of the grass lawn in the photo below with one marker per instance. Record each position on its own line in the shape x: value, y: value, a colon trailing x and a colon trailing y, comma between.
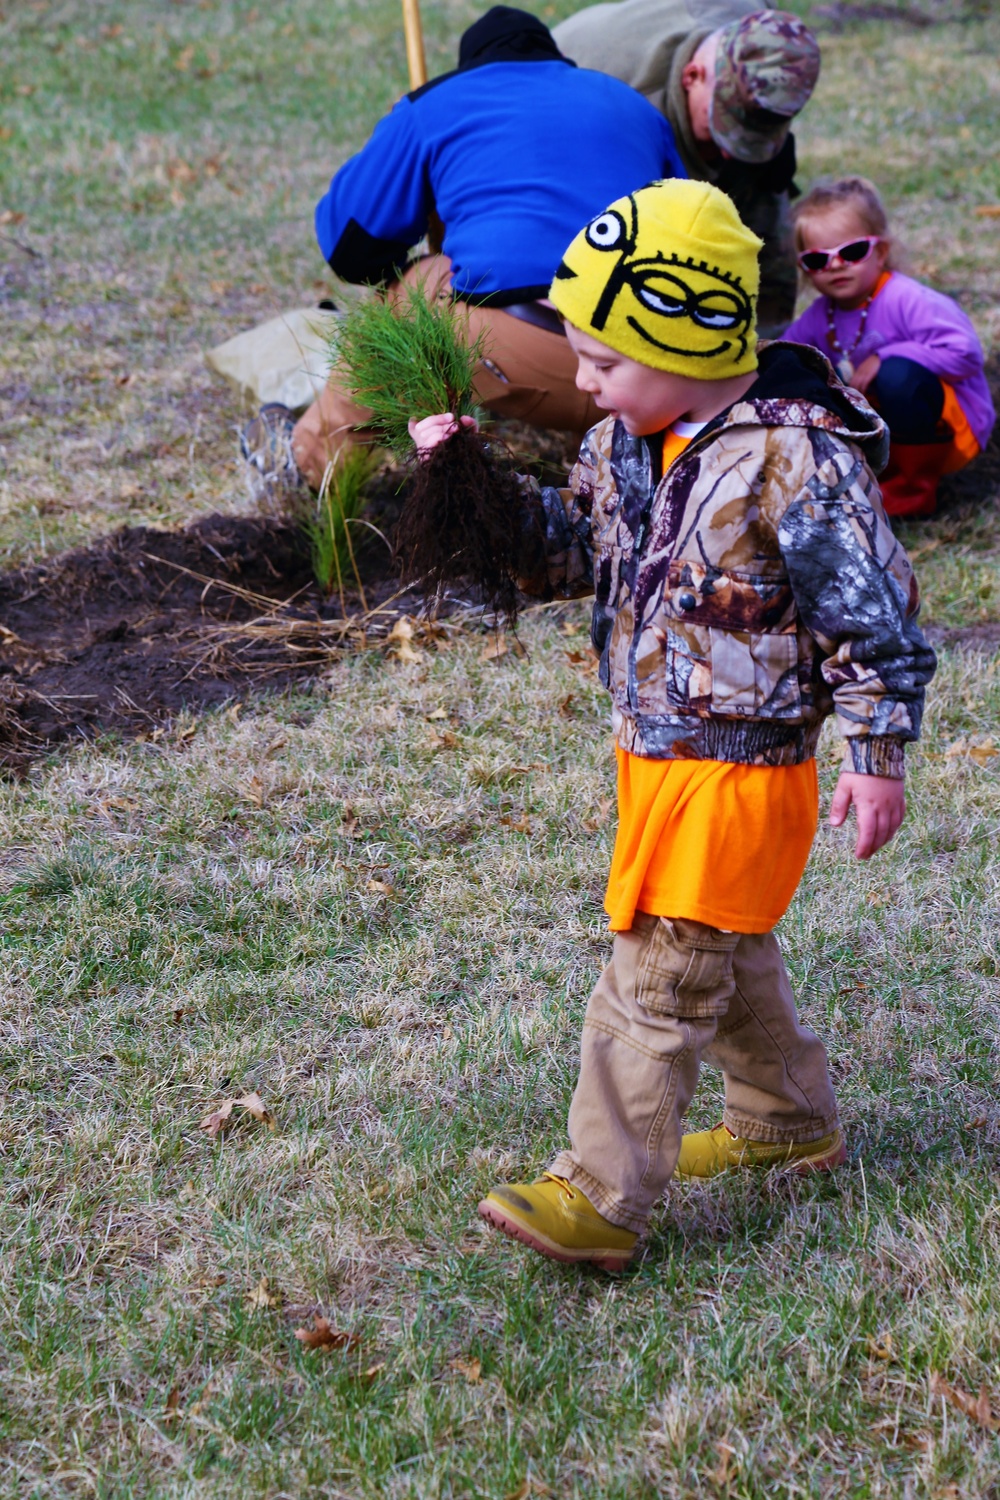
x: 378, y: 903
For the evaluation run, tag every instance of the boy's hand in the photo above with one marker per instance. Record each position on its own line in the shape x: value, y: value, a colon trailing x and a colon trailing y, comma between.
x: 429, y: 431
x: 865, y: 373
x: 879, y: 805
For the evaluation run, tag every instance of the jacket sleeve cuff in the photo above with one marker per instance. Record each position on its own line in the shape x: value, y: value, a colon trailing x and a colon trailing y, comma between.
x: 875, y: 755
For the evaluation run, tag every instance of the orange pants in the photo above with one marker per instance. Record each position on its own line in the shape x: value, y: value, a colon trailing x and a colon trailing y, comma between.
x: 527, y: 372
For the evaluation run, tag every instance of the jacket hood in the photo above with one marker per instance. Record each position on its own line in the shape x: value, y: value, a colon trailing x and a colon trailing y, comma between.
x: 796, y: 386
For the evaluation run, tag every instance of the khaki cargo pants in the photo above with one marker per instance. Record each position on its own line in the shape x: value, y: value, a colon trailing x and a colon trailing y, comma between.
x: 677, y: 992
x: 527, y: 372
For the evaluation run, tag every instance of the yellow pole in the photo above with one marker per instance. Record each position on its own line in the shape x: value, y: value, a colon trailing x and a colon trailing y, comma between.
x: 416, y: 61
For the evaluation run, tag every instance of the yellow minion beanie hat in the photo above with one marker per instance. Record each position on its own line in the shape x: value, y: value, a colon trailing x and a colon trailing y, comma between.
x: 667, y: 276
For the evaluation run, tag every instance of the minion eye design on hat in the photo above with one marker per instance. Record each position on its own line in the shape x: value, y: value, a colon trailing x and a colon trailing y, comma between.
x: 608, y: 232
x: 711, y: 309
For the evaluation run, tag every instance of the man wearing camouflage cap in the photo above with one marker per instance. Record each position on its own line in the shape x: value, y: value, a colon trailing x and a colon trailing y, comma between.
x: 730, y: 77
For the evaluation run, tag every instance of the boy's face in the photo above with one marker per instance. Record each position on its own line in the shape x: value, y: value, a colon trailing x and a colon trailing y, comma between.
x: 643, y: 399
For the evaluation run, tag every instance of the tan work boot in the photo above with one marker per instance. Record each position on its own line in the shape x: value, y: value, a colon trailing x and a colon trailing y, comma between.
x: 706, y: 1153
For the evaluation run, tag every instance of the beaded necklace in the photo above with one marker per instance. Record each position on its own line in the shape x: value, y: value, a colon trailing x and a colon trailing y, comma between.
x: 844, y: 366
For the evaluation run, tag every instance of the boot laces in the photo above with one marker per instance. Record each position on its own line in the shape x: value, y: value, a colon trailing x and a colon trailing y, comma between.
x: 569, y: 1191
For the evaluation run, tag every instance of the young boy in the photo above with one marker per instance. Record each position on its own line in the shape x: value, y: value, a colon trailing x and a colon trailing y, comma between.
x: 747, y: 584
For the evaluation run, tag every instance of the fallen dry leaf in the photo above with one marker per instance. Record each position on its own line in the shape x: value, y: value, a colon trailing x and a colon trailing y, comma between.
x: 519, y: 825
x: 171, y: 1409
x: 880, y: 1347
x: 254, y: 792
x: 981, y: 751
x: 380, y: 888
x: 183, y: 59
x: 975, y: 1407
x: 261, y: 1296
x: 218, y: 1119
x: 500, y: 644
x: 202, y: 1400
x: 531, y: 1486
x: 722, y: 1473
x: 988, y: 211
x: 372, y: 1371
x: 566, y: 706
x: 977, y: 1124
x: 323, y: 1336
x: 603, y: 809
x: 438, y: 713
x: 352, y: 828
x: 400, y: 641
x: 209, y: 1281
x: 443, y: 741
x: 495, y: 647
x: 11, y: 216
x: 472, y: 1369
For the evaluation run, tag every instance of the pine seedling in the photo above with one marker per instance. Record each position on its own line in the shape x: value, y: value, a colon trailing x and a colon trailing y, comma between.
x: 406, y: 359
x: 461, y: 518
x: 340, y: 502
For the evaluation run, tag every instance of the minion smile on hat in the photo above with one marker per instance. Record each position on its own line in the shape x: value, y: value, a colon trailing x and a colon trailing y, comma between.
x: 667, y: 276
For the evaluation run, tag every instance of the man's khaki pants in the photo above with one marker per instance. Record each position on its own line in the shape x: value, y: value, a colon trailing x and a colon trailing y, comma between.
x: 527, y: 372
x: 675, y: 992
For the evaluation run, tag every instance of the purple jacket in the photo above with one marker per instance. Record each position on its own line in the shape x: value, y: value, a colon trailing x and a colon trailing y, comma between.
x: 911, y: 320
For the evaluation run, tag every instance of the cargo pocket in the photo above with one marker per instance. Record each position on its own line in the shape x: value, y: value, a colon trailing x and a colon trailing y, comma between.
x: 755, y: 674
x: 686, y: 970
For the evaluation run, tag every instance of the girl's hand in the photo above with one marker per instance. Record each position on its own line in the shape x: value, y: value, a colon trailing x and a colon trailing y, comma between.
x: 428, y: 432
x: 879, y: 805
x: 865, y: 373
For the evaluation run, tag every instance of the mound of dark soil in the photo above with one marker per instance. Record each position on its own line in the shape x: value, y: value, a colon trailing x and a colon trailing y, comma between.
x: 126, y: 633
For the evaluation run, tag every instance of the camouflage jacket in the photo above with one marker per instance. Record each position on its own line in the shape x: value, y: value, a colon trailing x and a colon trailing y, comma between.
x: 754, y: 588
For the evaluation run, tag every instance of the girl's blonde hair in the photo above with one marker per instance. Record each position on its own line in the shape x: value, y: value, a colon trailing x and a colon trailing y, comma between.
x: 856, y: 193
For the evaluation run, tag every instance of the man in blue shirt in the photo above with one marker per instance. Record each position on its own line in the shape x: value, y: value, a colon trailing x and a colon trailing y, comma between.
x: 514, y: 151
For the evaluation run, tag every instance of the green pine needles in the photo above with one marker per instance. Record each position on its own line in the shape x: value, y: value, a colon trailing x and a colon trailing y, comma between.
x: 406, y: 358
x: 340, y: 502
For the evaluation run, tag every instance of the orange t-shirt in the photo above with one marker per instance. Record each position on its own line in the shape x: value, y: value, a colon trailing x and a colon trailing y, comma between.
x: 719, y: 843
x: 715, y: 842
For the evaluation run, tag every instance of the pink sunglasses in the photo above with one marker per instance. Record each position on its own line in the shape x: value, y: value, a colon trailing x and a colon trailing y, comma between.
x: 853, y: 252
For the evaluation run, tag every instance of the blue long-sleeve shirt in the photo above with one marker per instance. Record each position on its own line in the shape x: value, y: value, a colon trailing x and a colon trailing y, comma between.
x: 515, y: 157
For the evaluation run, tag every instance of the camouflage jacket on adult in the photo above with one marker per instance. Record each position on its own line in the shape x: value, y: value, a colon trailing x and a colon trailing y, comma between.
x: 751, y: 590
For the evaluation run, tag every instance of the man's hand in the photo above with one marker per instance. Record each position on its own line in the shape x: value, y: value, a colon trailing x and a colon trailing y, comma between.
x: 429, y: 431
x: 865, y: 373
x: 879, y: 805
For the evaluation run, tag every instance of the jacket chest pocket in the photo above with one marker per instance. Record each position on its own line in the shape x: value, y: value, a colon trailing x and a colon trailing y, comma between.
x: 732, y: 599
x: 755, y: 675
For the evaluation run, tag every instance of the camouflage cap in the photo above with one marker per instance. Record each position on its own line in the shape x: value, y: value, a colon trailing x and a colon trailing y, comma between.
x: 766, y: 67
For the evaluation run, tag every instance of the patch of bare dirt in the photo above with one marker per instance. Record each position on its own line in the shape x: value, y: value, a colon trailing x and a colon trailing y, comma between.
x: 983, y: 637
x: 129, y: 632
